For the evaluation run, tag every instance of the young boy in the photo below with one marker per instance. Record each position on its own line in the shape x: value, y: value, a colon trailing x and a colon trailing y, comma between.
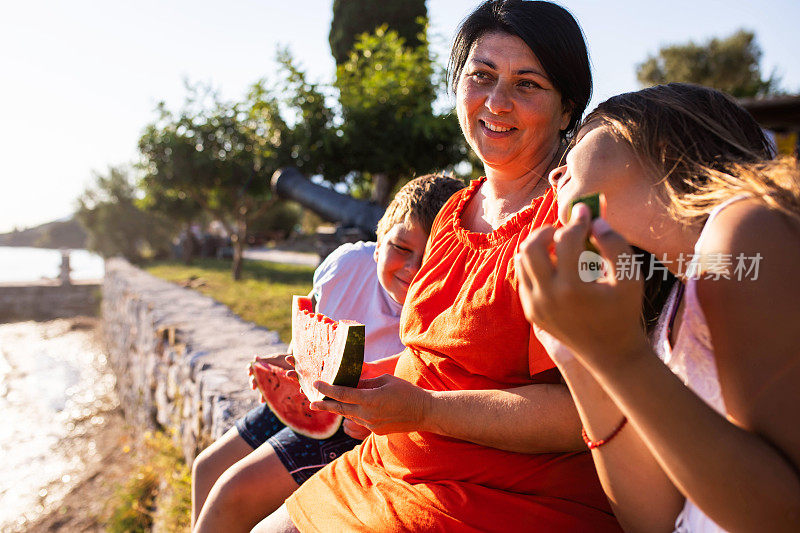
x: 254, y: 467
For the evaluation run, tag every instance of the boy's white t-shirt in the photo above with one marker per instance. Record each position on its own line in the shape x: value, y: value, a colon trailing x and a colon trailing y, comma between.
x: 346, y: 287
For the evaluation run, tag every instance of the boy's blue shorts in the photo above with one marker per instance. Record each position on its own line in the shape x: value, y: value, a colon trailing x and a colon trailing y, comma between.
x: 302, y: 456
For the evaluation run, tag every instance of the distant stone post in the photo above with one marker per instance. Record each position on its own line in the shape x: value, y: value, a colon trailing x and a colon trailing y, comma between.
x: 63, y: 275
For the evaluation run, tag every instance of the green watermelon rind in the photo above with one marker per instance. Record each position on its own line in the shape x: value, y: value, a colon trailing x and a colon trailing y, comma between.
x: 352, y: 361
x: 331, y: 430
x: 349, y: 372
x: 592, y: 201
x: 595, y: 205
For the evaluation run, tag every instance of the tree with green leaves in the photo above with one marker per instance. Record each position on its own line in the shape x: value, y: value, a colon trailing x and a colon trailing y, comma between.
x: 351, y: 18
x: 731, y: 64
x: 171, y: 162
x: 116, y: 224
x: 389, y: 127
x: 218, y: 155
x: 315, y: 147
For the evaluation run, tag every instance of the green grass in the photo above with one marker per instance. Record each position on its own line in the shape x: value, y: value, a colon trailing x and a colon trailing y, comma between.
x: 134, y: 504
x: 158, y: 494
x: 263, y: 295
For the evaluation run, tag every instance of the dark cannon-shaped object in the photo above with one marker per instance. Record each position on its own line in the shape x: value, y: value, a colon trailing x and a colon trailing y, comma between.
x: 289, y: 183
x: 356, y: 219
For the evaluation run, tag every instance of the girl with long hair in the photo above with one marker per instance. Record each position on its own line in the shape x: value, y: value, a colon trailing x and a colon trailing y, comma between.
x: 696, y: 427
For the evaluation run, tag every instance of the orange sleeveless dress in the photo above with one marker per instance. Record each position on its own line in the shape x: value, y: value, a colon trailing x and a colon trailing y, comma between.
x: 464, y: 328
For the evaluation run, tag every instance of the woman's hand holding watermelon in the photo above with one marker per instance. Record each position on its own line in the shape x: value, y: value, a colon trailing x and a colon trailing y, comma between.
x: 388, y: 404
x: 351, y: 428
x: 382, y: 405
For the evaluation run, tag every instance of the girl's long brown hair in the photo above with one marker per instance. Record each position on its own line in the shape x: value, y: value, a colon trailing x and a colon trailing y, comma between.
x: 704, y: 147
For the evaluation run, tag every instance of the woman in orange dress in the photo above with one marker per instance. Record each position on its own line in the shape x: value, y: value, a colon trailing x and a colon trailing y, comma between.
x: 475, y: 430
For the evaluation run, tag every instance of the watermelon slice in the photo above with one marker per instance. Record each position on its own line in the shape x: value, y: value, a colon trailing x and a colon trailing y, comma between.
x: 289, y: 403
x: 597, y: 207
x: 325, y: 350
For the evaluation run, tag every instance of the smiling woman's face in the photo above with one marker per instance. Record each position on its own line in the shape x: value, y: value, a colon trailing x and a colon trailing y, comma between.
x: 509, y: 110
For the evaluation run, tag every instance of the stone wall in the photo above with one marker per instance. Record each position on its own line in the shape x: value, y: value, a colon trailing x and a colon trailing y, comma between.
x: 180, y: 357
x: 46, y: 300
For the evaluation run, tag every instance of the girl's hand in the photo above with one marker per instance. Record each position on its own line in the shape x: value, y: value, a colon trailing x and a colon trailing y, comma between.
x: 382, y: 405
x: 599, y: 320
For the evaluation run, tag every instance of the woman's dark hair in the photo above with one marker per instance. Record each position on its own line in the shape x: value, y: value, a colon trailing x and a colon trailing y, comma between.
x: 552, y: 34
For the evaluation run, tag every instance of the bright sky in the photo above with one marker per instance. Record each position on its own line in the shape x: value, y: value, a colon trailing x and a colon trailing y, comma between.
x: 80, y: 79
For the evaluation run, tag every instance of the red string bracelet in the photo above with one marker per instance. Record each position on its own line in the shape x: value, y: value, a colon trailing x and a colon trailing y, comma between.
x: 592, y: 444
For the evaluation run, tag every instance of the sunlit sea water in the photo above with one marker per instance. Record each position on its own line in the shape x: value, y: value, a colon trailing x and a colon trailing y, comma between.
x: 54, y: 386
x: 32, y: 264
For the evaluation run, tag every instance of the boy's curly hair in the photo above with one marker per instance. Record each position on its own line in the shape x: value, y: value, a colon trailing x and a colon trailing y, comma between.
x: 420, y: 199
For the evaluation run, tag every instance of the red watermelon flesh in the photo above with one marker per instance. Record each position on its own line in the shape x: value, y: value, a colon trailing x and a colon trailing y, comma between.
x: 289, y: 404
x: 324, y: 349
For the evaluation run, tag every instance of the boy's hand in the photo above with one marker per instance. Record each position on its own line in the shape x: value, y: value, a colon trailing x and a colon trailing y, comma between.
x: 278, y: 360
x: 291, y: 373
x: 377, y: 368
x: 355, y: 430
x: 275, y: 360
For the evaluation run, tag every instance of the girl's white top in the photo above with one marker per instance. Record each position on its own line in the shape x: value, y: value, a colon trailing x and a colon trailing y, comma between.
x: 692, y: 360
